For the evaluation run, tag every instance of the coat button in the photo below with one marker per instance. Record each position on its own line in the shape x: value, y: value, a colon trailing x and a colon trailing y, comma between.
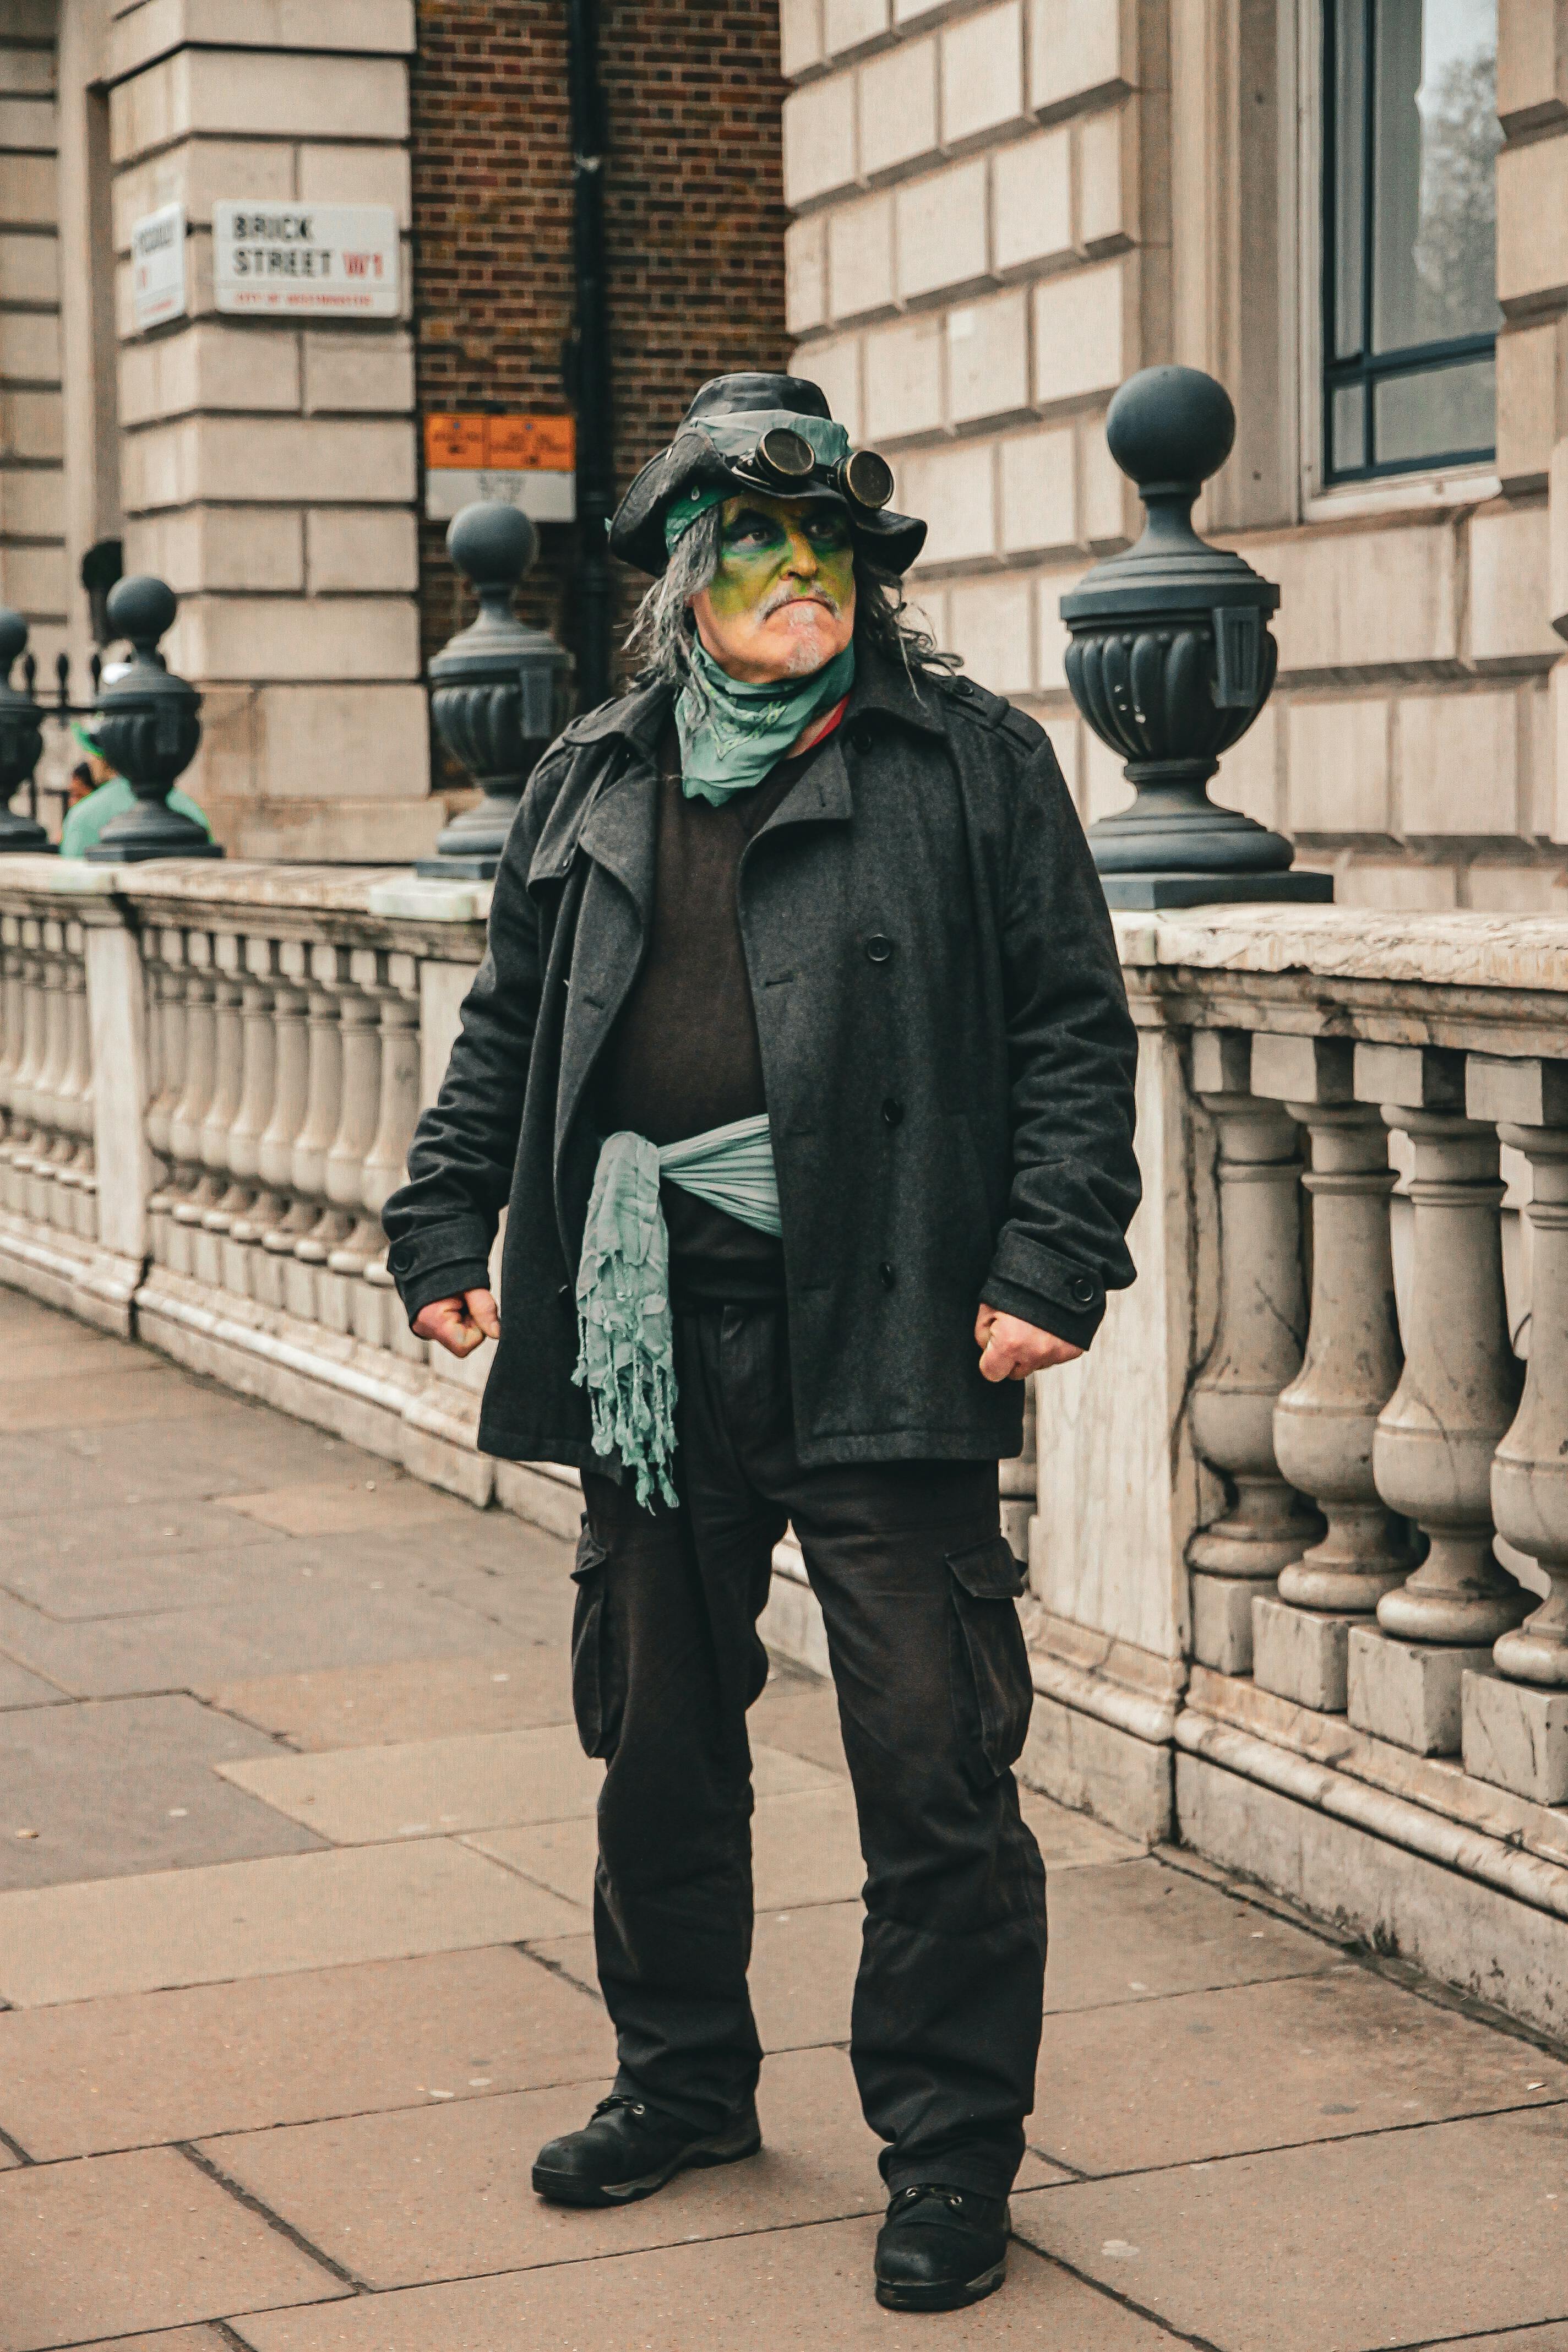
x: 879, y: 948
x: 887, y: 1274
x: 1083, y: 1290
x: 892, y: 1112
x: 862, y: 736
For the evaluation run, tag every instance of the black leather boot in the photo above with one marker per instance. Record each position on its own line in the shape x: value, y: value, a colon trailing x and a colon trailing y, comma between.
x: 627, y: 2149
x: 940, y: 2248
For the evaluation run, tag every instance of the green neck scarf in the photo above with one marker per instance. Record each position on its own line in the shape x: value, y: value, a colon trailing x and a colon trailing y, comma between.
x: 731, y: 733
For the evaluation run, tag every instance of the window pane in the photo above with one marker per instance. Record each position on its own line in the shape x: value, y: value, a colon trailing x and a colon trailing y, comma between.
x: 1349, y: 119
x: 1437, y: 137
x: 1442, y: 413
x: 1348, y: 429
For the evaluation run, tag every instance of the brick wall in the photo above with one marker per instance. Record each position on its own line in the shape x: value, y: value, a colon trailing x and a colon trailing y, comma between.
x: 695, y: 226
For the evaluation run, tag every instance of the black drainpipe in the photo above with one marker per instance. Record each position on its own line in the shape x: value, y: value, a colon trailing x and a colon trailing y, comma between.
x: 591, y: 355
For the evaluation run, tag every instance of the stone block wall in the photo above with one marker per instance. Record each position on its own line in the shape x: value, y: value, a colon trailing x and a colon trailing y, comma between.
x: 999, y: 211
x: 32, y: 489
x: 268, y: 468
x: 695, y: 227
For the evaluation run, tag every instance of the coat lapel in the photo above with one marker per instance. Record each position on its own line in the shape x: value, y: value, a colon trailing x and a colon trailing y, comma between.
x: 620, y: 838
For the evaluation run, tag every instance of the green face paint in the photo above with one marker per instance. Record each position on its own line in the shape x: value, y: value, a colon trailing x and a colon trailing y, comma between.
x: 761, y: 538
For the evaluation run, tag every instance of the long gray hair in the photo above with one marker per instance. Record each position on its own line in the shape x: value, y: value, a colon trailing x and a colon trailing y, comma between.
x: 659, y: 639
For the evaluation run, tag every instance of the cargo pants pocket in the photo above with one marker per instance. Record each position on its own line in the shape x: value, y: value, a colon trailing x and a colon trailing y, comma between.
x: 992, y: 1690
x: 594, y: 1702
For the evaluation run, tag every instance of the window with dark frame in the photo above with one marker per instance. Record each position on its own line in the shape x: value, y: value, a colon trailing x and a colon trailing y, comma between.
x: 1410, y: 308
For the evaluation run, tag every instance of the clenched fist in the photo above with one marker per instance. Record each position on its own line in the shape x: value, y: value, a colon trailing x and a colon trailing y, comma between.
x: 1010, y: 1349
x: 459, y: 1324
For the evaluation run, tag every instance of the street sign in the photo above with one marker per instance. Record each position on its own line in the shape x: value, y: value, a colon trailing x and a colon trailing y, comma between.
x: 158, y: 266
x: 526, y: 460
x: 316, y: 260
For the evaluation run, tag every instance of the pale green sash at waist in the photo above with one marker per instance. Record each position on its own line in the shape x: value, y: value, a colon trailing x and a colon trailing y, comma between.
x: 625, y: 1357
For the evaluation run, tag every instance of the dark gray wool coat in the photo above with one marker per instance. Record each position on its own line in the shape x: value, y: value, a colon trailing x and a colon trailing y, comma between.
x: 945, y: 1044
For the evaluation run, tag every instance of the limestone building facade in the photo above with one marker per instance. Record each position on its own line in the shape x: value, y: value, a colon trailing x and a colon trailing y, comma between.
x: 273, y: 467
x: 1002, y: 207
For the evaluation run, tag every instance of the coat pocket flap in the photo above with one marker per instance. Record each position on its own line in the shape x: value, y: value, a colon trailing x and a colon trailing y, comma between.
x: 989, y: 1570
x: 591, y: 1554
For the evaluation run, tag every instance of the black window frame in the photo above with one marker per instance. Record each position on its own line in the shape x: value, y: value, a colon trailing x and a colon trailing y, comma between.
x: 1368, y: 368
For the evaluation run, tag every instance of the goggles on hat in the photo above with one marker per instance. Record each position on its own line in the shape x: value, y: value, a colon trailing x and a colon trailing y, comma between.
x: 789, y: 454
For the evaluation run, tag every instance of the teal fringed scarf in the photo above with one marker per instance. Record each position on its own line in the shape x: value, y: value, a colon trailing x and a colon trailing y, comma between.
x: 625, y: 1357
x: 731, y: 734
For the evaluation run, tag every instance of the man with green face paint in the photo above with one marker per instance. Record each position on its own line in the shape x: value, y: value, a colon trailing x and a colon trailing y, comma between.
x: 801, y: 1061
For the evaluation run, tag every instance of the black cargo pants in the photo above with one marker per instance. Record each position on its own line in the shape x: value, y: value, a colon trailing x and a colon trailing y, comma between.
x: 917, y: 1587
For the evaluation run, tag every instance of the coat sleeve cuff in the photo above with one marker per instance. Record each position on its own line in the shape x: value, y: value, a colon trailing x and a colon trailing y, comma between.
x: 1044, y: 1312
x: 1029, y: 1280
x: 448, y: 1281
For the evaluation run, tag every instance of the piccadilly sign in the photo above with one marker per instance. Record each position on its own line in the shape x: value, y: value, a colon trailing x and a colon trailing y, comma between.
x: 158, y: 266
x: 317, y: 260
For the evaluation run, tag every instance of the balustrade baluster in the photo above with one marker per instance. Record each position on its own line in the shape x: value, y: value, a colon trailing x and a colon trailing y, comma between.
x: 48, y: 1142
x: 192, y: 1197
x: 24, y: 1086
x: 1515, y: 1721
x: 321, y: 1227
x: 1324, y: 1421
x: 75, y: 1202
x: 167, y: 993
x: 1257, y: 1351
x: 1018, y: 1483
x: 10, y: 1021
x: 228, y: 1199
x: 395, y: 979
x: 1435, y: 1437
x: 280, y: 1219
x: 360, y: 1243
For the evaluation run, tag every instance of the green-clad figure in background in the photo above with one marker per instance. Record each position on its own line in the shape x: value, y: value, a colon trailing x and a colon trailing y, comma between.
x: 99, y: 794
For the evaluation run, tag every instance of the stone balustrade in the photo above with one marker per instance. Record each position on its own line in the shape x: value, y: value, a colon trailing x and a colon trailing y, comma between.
x: 1297, y: 1525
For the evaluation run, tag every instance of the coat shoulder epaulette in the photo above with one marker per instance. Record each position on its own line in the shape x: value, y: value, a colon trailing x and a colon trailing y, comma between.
x: 994, y: 711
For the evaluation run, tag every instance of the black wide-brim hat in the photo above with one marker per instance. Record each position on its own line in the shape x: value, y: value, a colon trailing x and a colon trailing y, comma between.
x: 717, y: 449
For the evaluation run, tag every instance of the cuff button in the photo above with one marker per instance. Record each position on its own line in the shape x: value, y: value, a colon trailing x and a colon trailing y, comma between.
x: 1083, y: 1290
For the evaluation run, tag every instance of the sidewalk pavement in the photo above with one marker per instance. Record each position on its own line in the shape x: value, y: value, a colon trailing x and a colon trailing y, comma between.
x: 296, y: 1852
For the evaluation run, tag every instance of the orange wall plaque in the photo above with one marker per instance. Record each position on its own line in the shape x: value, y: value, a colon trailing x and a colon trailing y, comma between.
x: 503, y: 443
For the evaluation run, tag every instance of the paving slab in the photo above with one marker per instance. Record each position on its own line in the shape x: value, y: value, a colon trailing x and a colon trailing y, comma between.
x: 228, y: 1574
x: 41, y: 1555
x: 125, y: 1392
x: 1400, y: 2237
x: 119, y: 2243
x: 802, y: 1974
x: 1170, y: 2082
x: 381, y: 1503
x: 261, y: 1918
x: 288, y: 1625
x: 75, y: 1347
x: 800, y: 1711
x: 172, y: 2339
x: 409, y: 1699
x: 237, y: 1449
x: 443, y: 2192
x: 19, y: 1688
x: 791, y: 2291
x: 129, y: 2070
x: 127, y: 1785
x: 521, y: 1605
x: 1140, y: 1930
x: 477, y: 1781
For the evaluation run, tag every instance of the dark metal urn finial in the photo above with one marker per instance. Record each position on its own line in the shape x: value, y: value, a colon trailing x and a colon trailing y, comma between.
x: 21, y: 743
x: 1171, y: 661
x: 500, y: 691
x: 147, y: 728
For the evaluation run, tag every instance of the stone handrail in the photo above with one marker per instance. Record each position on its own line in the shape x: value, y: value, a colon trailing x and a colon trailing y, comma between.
x: 1297, y: 1525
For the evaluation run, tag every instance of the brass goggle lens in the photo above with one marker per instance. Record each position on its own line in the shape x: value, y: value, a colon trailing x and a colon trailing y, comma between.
x: 788, y: 456
x: 867, y: 478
